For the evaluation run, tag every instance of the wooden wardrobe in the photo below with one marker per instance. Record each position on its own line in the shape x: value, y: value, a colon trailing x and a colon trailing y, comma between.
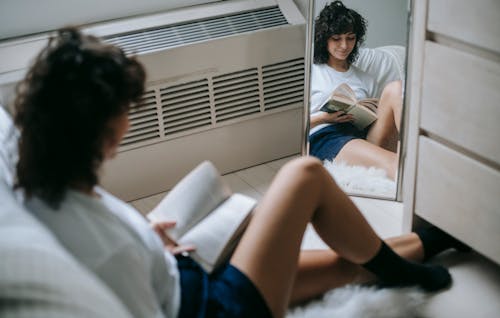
x: 452, y: 162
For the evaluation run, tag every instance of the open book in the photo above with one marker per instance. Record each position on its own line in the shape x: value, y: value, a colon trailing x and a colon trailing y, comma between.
x: 343, y: 99
x: 208, y: 215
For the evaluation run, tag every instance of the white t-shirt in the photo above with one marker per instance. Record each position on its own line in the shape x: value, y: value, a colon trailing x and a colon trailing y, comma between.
x: 324, y: 79
x: 115, y: 242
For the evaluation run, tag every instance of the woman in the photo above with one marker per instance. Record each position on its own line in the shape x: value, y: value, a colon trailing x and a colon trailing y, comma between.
x: 72, y: 112
x: 339, y: 32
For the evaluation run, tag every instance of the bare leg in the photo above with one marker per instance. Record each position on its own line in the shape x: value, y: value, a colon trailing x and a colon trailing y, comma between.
x: 269, y: 250
x: 384, y: 132
x: 304, y: 191
x: 322, y: 270
x: 381, y: 147
x: 363, y: 153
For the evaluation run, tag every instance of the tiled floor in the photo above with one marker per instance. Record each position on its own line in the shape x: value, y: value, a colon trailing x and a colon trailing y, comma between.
x: 476, y: 288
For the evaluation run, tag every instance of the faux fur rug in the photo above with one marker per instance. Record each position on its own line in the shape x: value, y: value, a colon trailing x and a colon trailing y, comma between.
x: 361, y: 180
x: 363, y: 302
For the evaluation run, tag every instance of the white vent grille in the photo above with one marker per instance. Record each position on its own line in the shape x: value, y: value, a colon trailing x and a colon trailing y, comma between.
x: 283, y: 83
x: 185, y: 107
x: 196, y: 31
x: 172, y: 111
x: 143, y: 118
x: 236, y: 94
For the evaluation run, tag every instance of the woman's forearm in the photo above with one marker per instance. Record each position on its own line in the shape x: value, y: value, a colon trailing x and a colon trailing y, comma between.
x: 316, y: 119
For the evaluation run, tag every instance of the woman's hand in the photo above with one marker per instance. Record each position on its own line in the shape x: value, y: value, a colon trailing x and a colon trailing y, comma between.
x: 170, y: 244
x: 330, y: 118
x: 337, y: 117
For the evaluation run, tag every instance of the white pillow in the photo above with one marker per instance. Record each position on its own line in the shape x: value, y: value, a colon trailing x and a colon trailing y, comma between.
x: 385, y: 64
x: 38, y: 277
x: 8, y: 146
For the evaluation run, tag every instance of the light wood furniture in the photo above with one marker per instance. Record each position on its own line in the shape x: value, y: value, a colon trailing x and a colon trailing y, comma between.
x: 452, y: 167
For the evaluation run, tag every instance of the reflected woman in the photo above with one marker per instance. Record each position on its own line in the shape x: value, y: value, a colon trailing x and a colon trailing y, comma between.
x: 339, y: 32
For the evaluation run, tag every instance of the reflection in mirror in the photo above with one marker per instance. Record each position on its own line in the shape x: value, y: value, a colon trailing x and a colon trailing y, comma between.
x: 358, y: 55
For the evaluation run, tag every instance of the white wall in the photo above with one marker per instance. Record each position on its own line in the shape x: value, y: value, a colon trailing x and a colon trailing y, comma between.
x: 22, y: 17
x: 387, y: 19
x: 303, y: 6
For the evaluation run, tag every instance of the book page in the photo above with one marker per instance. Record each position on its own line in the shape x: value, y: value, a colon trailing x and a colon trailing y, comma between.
x: 362, y: 116
x: 214, y: 234
x: 337, y: 104
x: 370, y: 103
x: 341, y: 99
x: 195, y: 196
x: 344, y: 92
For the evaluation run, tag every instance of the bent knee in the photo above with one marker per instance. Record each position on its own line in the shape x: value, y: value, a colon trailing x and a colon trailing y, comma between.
x: 393, y: 90
x: 305, y: 162
x: 304, y: 165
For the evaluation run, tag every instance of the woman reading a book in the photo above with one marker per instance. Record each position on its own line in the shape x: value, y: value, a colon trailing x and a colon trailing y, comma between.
x: 72, y: 111
x: 339, y: 32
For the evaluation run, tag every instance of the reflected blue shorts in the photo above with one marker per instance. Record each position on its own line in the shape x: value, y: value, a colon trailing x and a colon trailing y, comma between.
x: 226, y: 292
x: 327, y: 142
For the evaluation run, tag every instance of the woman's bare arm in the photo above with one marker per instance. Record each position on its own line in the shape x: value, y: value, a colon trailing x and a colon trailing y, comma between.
x: 329, y: 118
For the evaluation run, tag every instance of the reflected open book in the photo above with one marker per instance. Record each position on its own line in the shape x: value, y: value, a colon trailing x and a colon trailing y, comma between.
x: 208, y: 215
x: 343, y: 99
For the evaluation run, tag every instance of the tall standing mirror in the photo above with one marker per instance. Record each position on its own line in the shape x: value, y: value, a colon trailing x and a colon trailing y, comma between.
x: 357, y: 52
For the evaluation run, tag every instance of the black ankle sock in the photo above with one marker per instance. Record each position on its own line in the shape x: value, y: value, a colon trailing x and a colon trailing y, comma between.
x: 436, y: 241
x: 394, y: 271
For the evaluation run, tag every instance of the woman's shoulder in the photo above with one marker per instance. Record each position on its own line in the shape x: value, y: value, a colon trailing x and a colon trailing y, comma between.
x: 323, y: 73
x: 321, y: 68
x: 83, y: 225
x: 364, y: 76
x: 316, y: 69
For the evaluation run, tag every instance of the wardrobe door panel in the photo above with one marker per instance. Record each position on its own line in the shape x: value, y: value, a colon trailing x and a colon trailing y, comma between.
x: 476, y: 22
x: 459, y: 195
x: 461, y: 99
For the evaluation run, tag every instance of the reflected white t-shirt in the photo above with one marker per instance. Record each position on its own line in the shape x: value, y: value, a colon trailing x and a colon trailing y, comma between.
x: 324, y: 79
x: 115, y: 242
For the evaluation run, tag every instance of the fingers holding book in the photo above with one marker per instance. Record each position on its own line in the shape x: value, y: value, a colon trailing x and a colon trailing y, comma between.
x: 173, y: 247
x: 337, y: 117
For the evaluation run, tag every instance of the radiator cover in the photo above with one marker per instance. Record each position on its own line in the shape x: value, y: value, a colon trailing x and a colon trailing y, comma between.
x: 235, y: 99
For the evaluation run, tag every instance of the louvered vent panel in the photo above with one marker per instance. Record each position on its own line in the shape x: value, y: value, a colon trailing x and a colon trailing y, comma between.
x: 185, y: 107
x: 283, y: 83
x: 197, y: 31
x: 236, y: 94
x: 144, y: 123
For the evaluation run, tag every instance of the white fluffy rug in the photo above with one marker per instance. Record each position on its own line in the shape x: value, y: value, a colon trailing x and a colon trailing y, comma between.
x: 363, y: 302
x: 360, y: 180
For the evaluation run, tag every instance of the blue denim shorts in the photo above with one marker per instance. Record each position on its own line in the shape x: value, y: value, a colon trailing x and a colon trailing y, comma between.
x: 326, y: 143
x: 227, y: 292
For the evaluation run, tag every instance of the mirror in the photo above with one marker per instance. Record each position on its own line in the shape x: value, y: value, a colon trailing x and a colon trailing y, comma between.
x: 364, y: 160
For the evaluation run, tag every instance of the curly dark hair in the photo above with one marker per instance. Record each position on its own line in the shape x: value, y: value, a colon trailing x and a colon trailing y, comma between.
x: 64, y: 107
x: 335, y: 18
